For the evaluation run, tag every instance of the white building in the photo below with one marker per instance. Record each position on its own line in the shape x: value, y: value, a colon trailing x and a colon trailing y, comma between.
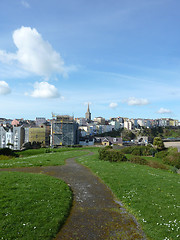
x: 9, y: 139
x: 2, y: 137
x: 128, y: 124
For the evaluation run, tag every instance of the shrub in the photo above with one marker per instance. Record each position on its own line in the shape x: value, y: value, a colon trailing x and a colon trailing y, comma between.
x: 102, y: 153
x: 7, y: 152
x: 161, y: 154
x: 115, y: 156
x: 173, y: 159
x: 138, y: 160
x: 127, y: 150
x: 139, y: 150
x: 107, y: 154
x: 158, y: 143
x: 108, y: 147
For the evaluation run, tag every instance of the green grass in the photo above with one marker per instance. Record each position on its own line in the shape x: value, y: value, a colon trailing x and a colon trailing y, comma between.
x: 32, y: 206
x: 31, y: 152
x: 152, y: 195
x: 45, y: 159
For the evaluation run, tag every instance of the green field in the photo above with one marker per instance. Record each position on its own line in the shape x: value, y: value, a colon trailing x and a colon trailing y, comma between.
x: 152, y: 195
x: 32, y: 206
x: 29, y: 203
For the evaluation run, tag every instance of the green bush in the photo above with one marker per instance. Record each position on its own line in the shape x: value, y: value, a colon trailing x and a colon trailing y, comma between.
x: 139, y: 150
x: 102, y: 153
x: 158, y: 143
x: 173, y: 159
x: 138, y: 160
x: 107, y: 154
x: 108, y: 147
x: 7, y: 152
x: 161, y: 154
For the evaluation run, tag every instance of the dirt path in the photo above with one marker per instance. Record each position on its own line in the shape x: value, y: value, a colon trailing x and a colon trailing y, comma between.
x: 95, y: 214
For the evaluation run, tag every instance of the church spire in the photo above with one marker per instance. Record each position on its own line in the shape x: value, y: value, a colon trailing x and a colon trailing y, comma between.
x: 88, y: 114
x: 88, y: 109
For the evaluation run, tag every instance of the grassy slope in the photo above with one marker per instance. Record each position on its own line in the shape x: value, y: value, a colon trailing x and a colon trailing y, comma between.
x: 32, y: 206
x: 45, y: 159
x: 152, y: 195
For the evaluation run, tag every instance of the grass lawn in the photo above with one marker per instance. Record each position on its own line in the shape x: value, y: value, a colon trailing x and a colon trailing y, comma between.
x: 32, y: 206
x: 152, y: 195
x: 43, y: 159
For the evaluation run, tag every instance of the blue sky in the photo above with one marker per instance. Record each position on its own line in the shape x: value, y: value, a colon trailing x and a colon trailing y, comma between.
x: 123, y: 57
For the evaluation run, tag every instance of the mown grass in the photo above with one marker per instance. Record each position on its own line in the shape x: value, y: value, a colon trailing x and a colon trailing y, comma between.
x: 32, y: 206
x: 45, y: 159
x: 152, y: 195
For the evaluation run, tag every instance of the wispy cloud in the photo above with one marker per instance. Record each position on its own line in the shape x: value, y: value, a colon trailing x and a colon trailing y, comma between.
x: 132, y: 101
x: 113, y: 105
x: 4, y: 88
x: 35, y: 54
x: 164, y: 111
x: 25, y: 4
x: 44, y: 90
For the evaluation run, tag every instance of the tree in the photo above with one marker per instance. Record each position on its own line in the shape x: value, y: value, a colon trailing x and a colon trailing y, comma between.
x: 158, y: 143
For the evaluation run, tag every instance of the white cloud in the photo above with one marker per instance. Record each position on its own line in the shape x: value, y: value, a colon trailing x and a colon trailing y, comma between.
x: 44, y: 90
x: 25, y: 4
x: 136, y: 101
x: 4, y: 88
x: 113, y: 105
x: 164, y: 111
x: 34, y: 54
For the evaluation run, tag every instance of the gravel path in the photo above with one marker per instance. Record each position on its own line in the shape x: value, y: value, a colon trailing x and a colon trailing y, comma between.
x: 95, y: 214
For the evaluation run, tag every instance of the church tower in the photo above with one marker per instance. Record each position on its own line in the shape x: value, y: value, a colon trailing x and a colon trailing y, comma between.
x: 88, y: 114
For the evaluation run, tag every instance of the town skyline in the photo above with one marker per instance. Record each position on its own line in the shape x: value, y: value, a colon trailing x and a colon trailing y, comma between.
x: 121, y: 57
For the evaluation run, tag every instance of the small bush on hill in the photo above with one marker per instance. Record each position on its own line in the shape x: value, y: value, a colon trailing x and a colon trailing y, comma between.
x: 173, y: 159
x: 107, y: 154
x: 7, y: 152
x: 139, y: 150
x: 138, y: 160
x: 161, y: 154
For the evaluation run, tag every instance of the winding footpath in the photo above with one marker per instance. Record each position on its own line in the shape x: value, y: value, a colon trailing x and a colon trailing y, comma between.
x: 95, y: 215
